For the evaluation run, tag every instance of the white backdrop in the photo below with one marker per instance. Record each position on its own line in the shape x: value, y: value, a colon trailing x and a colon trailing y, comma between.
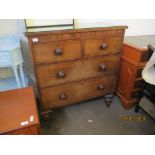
x: 136, y: 26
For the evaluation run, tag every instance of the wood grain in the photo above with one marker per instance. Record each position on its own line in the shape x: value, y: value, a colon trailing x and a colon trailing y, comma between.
x: 130, y: 79
x: 90, y: 56
x: 45, y: 52
x: 77, y: 91
x: 93, y: 46
x: 77, y: 70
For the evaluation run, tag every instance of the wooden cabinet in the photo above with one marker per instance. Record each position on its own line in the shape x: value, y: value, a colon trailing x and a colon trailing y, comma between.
x: 18, y: 112
x: 133, y: 61
x: 76, y: 65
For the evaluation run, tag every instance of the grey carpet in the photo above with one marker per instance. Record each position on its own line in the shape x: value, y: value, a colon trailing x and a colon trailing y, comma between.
x: 94, y: 118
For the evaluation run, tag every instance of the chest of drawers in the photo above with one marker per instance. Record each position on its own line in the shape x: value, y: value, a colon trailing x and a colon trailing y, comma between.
x: 76, y: 65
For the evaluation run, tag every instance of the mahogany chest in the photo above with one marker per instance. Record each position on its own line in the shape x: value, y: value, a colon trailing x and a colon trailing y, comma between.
x: 76, y: 65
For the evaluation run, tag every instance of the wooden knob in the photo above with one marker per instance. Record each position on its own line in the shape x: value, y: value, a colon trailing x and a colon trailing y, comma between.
x: 60, y: 75
x: 63, y: 96
x: 139, y: 84
x: 103, y: 67
x: 58, y: 51
x: 100, y: 87
x: 103, y: 46
x: 135, y: 95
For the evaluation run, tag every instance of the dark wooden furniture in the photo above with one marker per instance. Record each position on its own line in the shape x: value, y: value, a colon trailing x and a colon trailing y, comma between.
x: 18, y: 112
x: 134, y: 58
x: 76, y: 65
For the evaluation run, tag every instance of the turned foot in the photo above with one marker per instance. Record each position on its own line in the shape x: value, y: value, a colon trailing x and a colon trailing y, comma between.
x: 108, y: 99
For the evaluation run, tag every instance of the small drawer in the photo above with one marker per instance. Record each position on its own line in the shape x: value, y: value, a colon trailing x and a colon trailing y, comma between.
x: 45, y: 52
x: 101, y: 46
x: 54, y: 74
x: 77, y: 91
x: 134, y: 54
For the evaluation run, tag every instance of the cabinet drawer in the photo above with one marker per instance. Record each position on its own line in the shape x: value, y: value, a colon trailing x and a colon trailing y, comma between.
x: 100, y: 46
x: 77, y: 91
x: 135, y: 55
x: 54, y: 74
x: 130, y: 78
x: 45, y: 52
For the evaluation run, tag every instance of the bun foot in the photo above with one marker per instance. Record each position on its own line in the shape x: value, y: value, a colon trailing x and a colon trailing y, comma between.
x: 108, y: 99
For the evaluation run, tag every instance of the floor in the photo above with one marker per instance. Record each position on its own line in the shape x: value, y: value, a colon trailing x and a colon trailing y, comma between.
x: 94, y: 118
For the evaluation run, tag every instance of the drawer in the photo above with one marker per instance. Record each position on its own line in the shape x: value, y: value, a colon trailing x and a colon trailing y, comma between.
x: 61, y: 95
x: 45, y: 52
x: 130, y: 78
x: 135, y: 55
x: 54, y: 74
x: 100, y: 46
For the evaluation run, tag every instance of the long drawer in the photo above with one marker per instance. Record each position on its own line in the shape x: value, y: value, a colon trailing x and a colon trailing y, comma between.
x: 54, y: 74
x: 46, y: 52
x: 101, y: 46
x: 61, y: 95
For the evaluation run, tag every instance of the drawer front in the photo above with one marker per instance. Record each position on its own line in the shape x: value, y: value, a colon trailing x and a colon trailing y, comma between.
x: 130, y: 79
x: 56, y: 51
x: 100, y: 46
x: 77, y: 91
x: 49, y: 75
x: 134, y: 54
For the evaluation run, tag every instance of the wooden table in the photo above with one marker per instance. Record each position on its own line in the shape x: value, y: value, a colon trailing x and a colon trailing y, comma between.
x: 18, y: 112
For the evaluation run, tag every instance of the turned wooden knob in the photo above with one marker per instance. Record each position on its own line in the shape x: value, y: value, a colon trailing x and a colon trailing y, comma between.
x: 135, y: 95
x: 58, y: 51
x: 63, y: 96
x: 103, y: 67
x: 103, y: 46
x: 60, y: 75
x: 100, y: 87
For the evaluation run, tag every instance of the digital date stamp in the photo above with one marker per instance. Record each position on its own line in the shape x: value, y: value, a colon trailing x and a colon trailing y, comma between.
x: 133, y: 118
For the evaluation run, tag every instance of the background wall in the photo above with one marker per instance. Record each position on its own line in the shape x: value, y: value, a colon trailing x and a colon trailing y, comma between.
x: 17, y: 26
x: 135, y: 26
x: 9, y: 26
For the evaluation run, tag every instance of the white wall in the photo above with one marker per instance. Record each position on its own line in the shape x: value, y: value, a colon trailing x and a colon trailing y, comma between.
x: 9, y: 26
x: 135, y: 26
x: 138, y: 27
